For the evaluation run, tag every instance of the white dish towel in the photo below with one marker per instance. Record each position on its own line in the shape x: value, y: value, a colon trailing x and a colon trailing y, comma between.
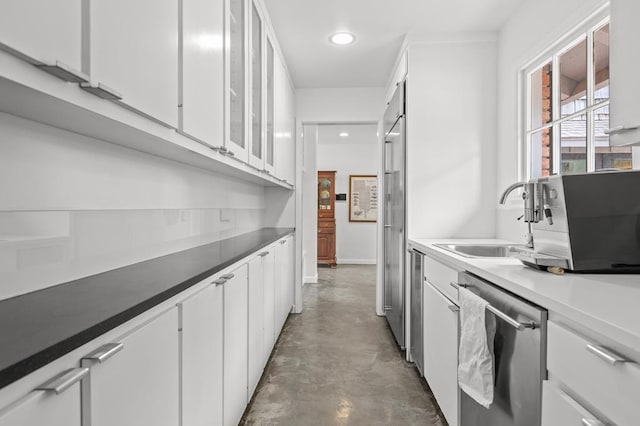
x: 475, y: 357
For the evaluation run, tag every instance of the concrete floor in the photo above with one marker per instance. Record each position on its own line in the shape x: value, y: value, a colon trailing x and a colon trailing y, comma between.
x: 337, y: 363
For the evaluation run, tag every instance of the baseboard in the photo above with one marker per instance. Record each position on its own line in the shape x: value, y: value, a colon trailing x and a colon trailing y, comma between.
x: 310, y: 280
x: 356, y: 262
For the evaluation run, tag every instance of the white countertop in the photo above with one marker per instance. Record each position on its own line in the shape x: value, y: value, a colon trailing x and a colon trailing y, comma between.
x: 606, y: 303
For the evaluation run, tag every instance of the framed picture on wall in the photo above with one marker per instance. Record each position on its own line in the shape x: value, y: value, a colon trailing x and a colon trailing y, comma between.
x: 363, y: 198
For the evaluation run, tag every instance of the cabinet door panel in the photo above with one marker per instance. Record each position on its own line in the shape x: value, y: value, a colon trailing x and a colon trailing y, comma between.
x: 43, y: 30
x: 203, y: 70
x: 134, y: 50
x: 441, y: 351
x: 256, y: 324
x: 558, y: 409
x: 138, y: 385
x: 44, y: 408
x: 202, y: 334
x: 269, y: 304
x: 235, y: 346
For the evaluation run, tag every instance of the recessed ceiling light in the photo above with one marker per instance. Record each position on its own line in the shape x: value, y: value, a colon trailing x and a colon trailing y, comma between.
x: 344, y: 134
x: 342, y: 38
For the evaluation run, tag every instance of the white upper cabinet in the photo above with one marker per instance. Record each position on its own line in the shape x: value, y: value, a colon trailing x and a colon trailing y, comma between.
x: 399, y: 74
x: 256, y: 154
x: 284, y: 123
x: 134, y: 52
x: 46, y: 31
x: 269, y: 159
x: 625, y: 68
x: 203, y: 70
x: 236, y: 79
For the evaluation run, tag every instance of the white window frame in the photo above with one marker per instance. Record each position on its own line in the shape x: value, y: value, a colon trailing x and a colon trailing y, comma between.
x: 552, y: 54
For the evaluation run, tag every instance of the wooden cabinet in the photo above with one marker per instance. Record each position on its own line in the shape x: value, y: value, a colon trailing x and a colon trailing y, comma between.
x: 55, y: 403
x: 202, y: 103
x: 134, y: 51
x: 441, y: 350
x: 201, y: 330
x: 235, y: 345
x: 326, y: 218
x: 624, y: 71
x: 47, y: 31
x: 134, y: 380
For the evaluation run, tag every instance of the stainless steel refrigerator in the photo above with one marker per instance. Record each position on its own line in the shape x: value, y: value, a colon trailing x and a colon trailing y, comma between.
x: 394, y: 202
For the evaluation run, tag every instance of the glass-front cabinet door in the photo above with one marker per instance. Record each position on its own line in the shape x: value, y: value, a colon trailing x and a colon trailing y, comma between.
x: 270, y: 105
x: 256, y: 157
x: 236, y: 140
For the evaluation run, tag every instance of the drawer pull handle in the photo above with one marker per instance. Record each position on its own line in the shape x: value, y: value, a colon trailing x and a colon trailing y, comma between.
x: 263, y: 254
x: 101, y: 91
x: 591, y: 422
x: 458, y: 285
x: 453, y: 308
x: 64, y: 381
x: 607, y: 355
x: 227, y: 277
x: 103, y: 353
x: 219, y: 281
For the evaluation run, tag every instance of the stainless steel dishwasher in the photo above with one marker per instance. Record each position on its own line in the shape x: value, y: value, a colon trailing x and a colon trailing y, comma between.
x: 519, y: 359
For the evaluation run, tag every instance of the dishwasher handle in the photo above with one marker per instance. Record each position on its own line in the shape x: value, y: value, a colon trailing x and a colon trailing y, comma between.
x: 520, y: 326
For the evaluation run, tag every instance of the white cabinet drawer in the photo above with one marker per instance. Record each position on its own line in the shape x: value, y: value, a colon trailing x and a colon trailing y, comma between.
x: 441, y: 277
x: 558, y: 409
x: 611, y: 388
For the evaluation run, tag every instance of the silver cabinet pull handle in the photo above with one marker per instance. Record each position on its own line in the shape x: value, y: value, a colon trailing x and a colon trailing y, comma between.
x: 64, y: 381
x: 591, y: 422
x: 263, y: 254
x: 453, y: 308
x: 458, y: 285
x: 227, y: 277
x: 104, y: 352
x: 219, y: 281
x: 231, y: 153
x: 607, y: 355
x: 64, y: 72
x: 101, y: 91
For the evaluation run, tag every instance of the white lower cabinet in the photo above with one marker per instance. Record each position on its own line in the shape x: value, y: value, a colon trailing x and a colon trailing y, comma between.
x: 603, y: 379
x: 201, y: 325
x: 135, y: 380
x: 256, y: 322
x: 283, y: 282
x: 559, y: 409
x: 235, y: 345
x: 57, y: 405
x: 441, y: 350
x: 268, y: 264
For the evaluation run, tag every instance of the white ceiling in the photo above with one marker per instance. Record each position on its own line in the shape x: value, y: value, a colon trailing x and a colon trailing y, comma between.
x: 303, y: 28
x: 357, y: 133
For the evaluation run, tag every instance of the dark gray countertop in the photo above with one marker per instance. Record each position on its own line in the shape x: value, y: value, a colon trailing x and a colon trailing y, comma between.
x: 39, y: 327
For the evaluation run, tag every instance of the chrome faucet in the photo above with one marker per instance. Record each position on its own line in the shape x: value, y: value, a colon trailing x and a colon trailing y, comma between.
x: 509, y: 190
x: 529, y: 208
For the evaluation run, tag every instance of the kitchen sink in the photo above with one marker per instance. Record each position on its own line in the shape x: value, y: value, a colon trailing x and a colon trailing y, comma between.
x: 481, y: 250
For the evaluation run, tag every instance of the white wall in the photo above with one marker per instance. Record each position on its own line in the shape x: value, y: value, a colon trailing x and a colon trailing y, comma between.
x: 73, y: 206
x: 355, y: 155
x: 533, y: 28
x: 451, y: 144
x: 331, y: 105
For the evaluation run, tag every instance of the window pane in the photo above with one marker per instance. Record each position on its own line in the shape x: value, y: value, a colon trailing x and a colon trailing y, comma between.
x: 601, y: 63
x: 573, y: 145
x: 608, y: 157
x: 541, y: 101
x: 541, y: 153
x: 573, y: 79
